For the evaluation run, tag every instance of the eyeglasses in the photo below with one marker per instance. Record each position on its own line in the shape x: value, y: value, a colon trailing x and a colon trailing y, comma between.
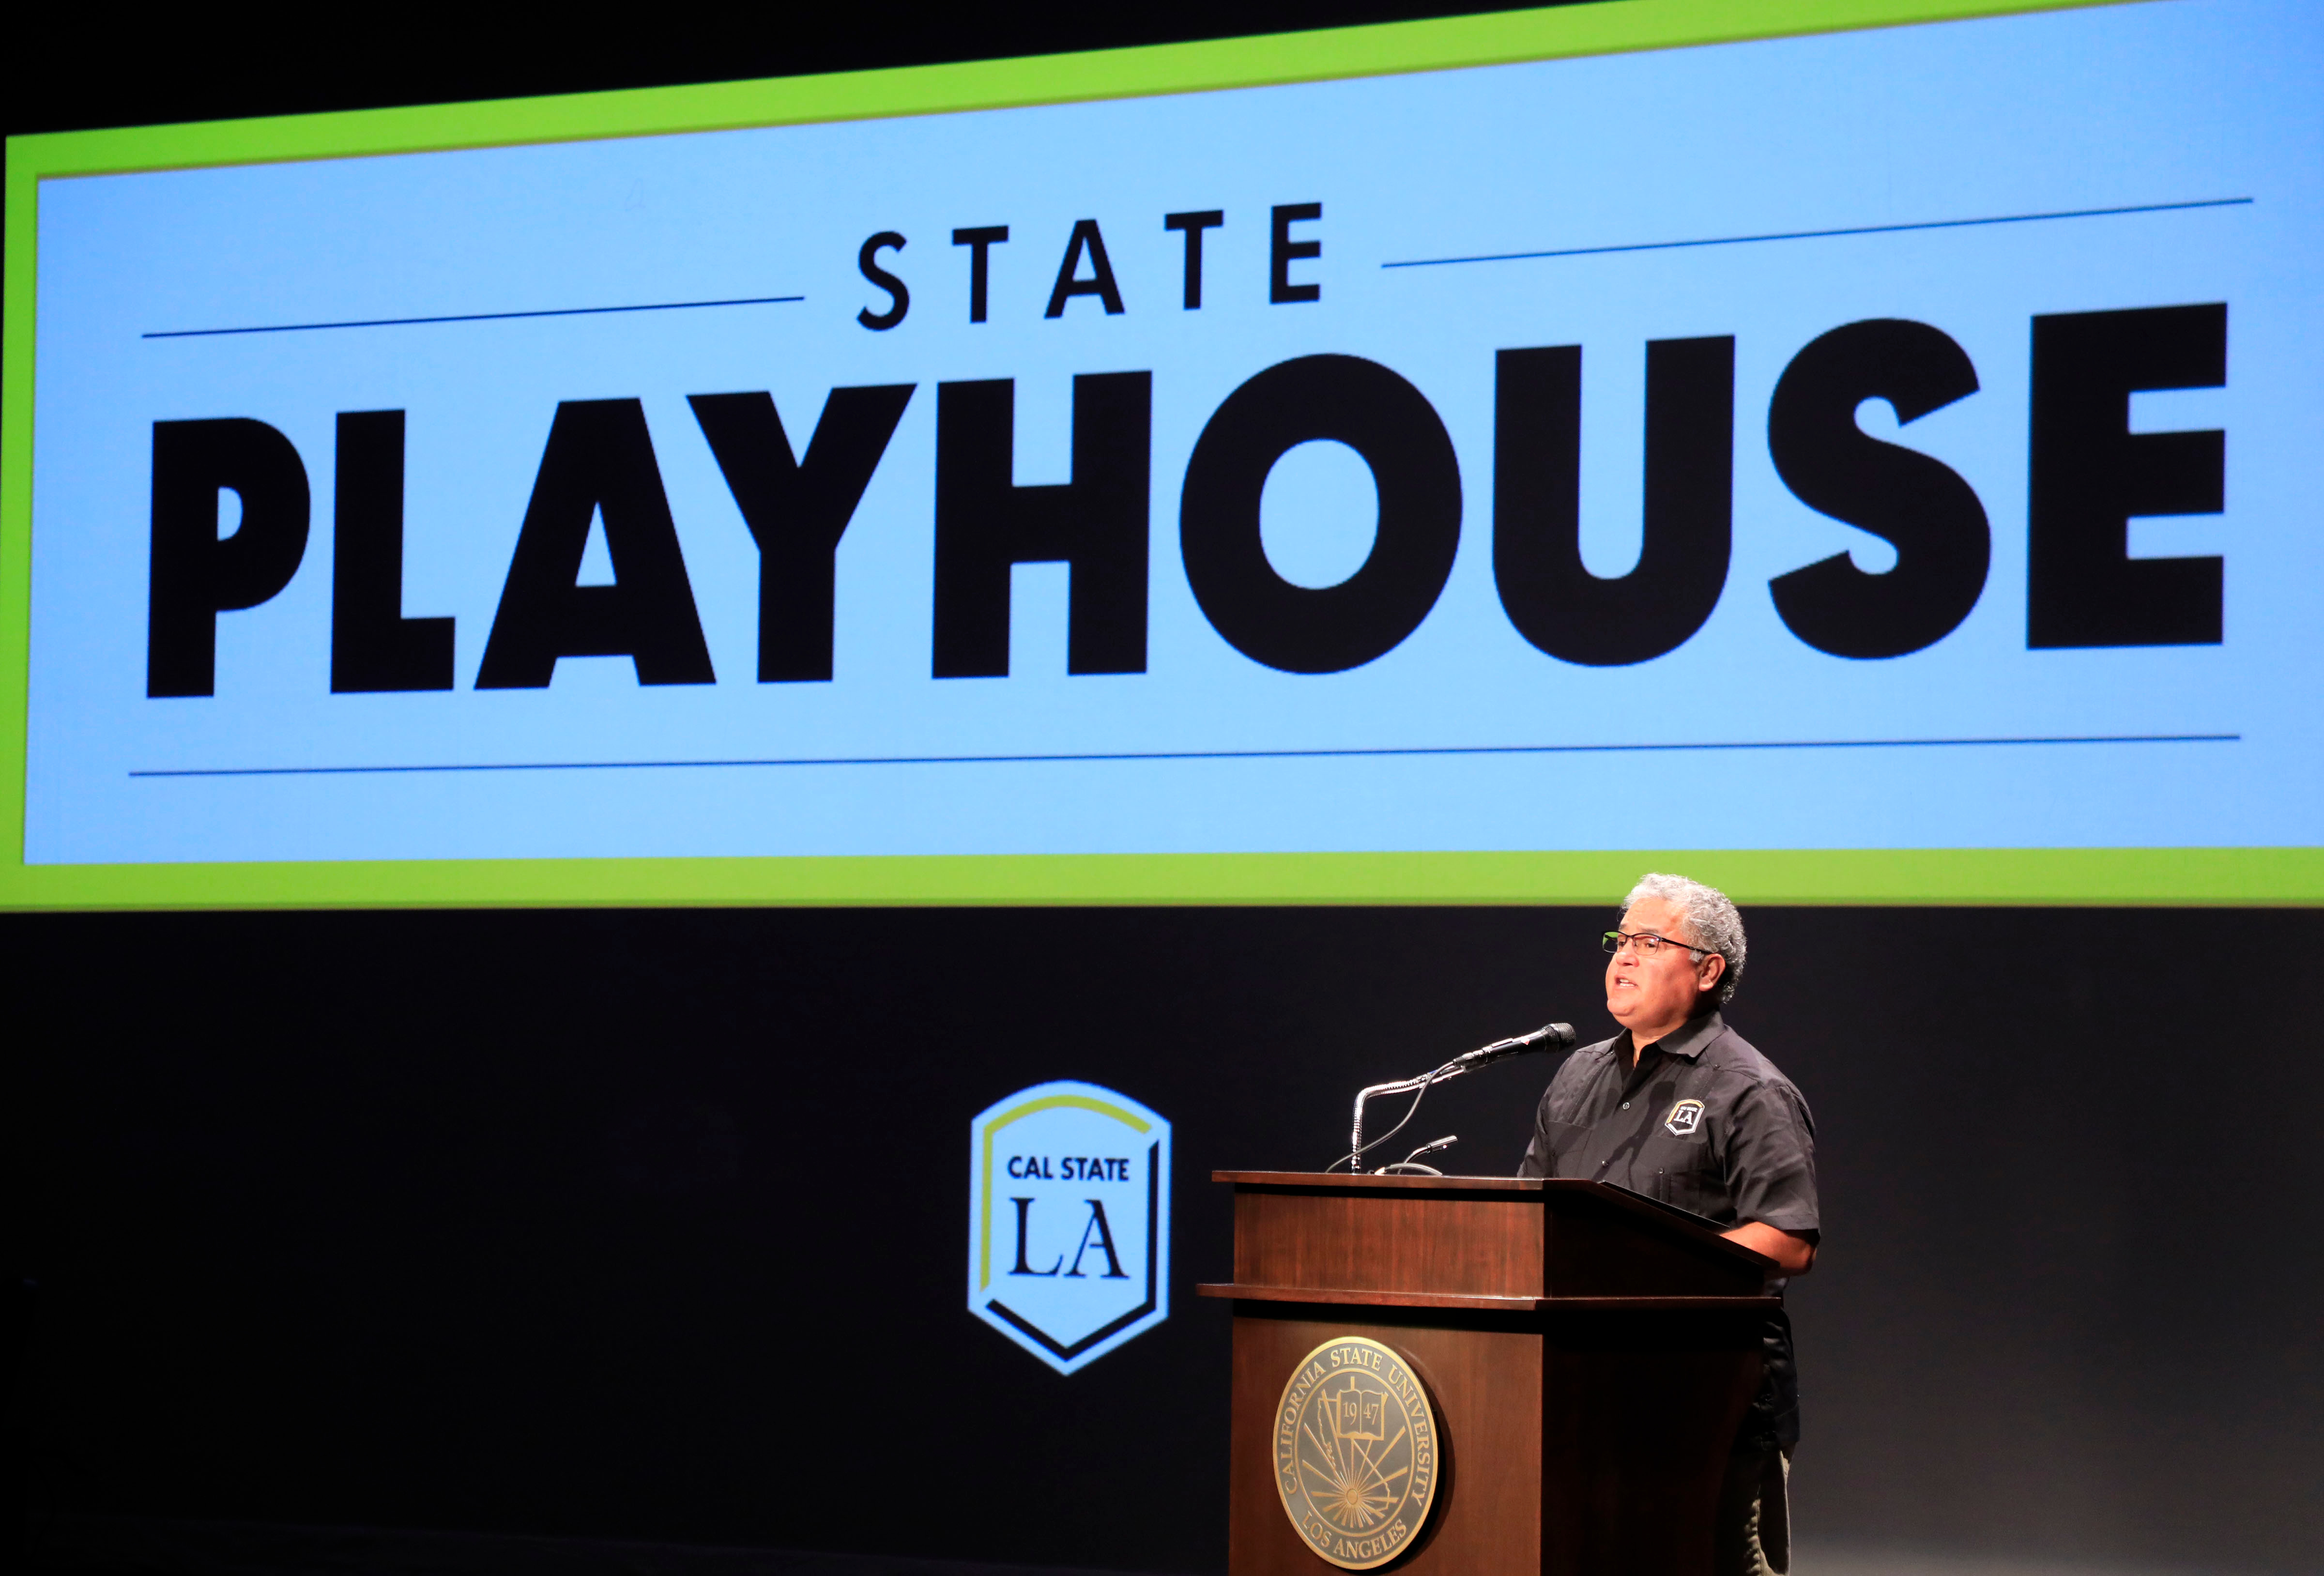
x: 1649, y: 943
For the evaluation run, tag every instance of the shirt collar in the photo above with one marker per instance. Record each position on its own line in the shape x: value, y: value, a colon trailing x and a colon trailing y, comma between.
x: 1690, y: 1039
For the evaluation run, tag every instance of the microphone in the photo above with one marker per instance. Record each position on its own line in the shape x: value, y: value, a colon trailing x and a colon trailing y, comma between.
x: 1549, y: 1036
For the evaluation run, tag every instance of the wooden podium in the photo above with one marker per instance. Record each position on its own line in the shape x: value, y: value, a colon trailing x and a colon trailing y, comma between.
x: 1588, y: 1354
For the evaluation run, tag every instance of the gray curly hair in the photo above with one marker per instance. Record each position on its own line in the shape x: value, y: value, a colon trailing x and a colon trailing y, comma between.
x: 1710, y: 919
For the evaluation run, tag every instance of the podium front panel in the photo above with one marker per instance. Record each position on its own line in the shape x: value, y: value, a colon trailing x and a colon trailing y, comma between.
x: 1483, y: 1374
x: 1588, y: 1356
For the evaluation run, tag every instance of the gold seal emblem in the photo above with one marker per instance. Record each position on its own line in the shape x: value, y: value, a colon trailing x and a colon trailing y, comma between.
x: 1356, y: 1456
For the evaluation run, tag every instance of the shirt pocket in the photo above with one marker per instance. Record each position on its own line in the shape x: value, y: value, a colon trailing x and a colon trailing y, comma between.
x: 1686, y: 1174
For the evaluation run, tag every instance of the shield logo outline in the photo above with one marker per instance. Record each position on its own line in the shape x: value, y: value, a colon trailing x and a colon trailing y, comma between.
x: 997, y: 1213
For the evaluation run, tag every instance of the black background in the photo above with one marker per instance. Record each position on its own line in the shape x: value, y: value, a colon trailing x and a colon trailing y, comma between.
x: 649, y: 1225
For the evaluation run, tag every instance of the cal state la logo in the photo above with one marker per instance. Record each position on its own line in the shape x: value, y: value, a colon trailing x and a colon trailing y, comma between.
x: 1356, y: 1455
x: 1069, y: 1220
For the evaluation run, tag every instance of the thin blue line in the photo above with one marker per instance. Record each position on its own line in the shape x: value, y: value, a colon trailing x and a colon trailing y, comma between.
x: 470, y: 318
x: 1187, y: 755
x: 2152, y: 207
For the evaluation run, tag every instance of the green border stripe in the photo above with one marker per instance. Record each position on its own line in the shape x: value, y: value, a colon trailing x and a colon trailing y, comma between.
x: 1970, y: 876
x: 2072, y: 876
x: 1607, y: 27
x: 17, y: 274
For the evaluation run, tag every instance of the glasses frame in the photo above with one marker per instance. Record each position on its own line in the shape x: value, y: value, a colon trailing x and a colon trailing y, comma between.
x: 1614, y: 940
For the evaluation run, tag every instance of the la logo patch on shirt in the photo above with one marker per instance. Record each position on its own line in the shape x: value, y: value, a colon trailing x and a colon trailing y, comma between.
x: 1684, y: 1117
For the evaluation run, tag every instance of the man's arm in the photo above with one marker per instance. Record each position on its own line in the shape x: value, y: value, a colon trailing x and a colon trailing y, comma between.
x: 1772, y: 1159
x: 1795, y: 1254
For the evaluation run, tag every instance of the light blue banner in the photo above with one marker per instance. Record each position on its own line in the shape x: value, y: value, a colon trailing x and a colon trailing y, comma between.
x: 1999, y: 184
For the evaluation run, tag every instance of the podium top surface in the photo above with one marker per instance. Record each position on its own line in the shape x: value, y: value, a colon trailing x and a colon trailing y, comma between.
x: 1447, y: 1241
x: 1397, y: 1184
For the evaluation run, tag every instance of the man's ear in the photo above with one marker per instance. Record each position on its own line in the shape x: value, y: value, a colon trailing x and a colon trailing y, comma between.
x: 1710, y: 982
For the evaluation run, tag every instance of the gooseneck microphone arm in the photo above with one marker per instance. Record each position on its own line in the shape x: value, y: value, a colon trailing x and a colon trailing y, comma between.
x: 1353, y: 1158
x: 1548, y: 1037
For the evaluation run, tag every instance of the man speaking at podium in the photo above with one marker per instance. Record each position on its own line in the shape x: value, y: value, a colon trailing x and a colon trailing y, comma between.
x: 1681, y: 1108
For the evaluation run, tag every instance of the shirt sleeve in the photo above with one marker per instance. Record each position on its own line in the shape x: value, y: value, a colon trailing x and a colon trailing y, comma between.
x: 1771, y: 1160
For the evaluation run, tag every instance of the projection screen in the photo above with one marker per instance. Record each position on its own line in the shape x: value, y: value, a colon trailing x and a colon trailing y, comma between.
x: 1865, y: 450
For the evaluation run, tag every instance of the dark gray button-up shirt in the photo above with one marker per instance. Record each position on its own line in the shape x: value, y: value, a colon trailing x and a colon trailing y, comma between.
x: 1704, y: 1122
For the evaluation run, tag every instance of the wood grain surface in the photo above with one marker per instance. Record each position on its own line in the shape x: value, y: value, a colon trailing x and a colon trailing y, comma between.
x: 1588, y: 1353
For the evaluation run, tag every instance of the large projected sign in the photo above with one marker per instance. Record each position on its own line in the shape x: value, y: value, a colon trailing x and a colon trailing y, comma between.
x: 1872, y: 453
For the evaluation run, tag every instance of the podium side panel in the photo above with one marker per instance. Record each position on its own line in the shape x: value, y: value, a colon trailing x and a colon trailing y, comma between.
x: 1597, y: 1249
x: 1484, y: 1379
x: 1640, y: 1412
